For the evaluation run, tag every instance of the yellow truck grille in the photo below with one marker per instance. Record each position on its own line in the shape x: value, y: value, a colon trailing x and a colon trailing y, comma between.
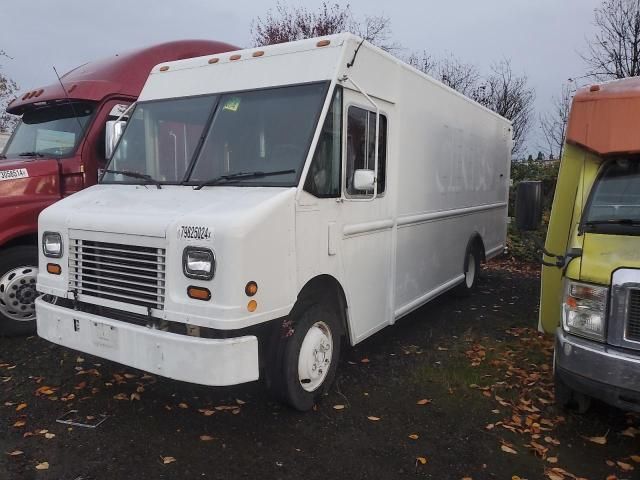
x: 632, y: 331
x: 117, y: 272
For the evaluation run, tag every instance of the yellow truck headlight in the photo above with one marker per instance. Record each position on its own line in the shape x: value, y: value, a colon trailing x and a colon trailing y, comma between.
x: 52, y: 244
x: 198, y: 263
x: 584, y: 309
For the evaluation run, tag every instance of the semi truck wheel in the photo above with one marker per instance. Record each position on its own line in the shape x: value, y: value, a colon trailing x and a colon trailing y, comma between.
x: 18, y: 272
x: 308, y: 358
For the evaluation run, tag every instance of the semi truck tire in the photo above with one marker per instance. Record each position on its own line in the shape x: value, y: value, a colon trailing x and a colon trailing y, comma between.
x: 308, y: 358
x: 18, y: 272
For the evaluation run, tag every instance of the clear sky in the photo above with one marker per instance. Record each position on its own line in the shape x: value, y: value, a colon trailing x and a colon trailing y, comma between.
x: 542, y: 38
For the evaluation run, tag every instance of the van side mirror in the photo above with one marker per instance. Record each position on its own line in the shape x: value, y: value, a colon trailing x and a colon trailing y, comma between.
x: 364, y: 180
x: 529, y: 206
x: 113, y: 132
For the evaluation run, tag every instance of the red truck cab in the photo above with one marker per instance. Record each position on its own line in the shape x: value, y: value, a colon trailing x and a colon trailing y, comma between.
x: 57, y: 149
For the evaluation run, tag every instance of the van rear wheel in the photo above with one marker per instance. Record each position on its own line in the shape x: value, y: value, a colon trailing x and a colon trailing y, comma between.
x: 309, y: 358
x: 18, y: 272
x: 471, y: 273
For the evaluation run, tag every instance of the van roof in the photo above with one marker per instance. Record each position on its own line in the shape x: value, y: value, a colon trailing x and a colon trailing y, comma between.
x: 122, y: 74
x: 605, y: 117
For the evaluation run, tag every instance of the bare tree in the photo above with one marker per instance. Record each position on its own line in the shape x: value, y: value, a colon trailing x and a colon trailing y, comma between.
x: 508, y: 95
x: 614, y: 51
x: 554, y: 123
x: 462, y: 77
x: 285, y: 24
x: 8, y: 90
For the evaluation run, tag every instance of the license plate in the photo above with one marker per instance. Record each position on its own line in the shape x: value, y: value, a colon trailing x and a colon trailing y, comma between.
x: 104, y: 335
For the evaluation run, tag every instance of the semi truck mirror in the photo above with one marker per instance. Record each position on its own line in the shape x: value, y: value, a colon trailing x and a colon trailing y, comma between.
x: 364, y: 180
x: 529, y: 205
x: 113, y: 132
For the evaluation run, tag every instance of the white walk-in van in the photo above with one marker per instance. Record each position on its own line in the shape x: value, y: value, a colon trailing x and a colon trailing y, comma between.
x: 263, y: 205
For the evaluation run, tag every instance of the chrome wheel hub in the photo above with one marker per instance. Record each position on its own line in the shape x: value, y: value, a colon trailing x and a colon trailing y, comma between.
x: 18, y: 294
x: 315, y: 355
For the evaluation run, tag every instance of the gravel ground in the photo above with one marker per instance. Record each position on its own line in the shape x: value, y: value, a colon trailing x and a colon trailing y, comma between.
x: 459, y: 389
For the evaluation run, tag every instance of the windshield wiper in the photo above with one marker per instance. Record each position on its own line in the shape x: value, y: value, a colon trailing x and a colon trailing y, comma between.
x: 31, y: 154
x: 142, y: 176
x: 239, y: 176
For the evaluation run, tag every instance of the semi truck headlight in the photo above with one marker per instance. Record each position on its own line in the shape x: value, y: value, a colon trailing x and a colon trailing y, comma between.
x: 198, y: 263
x: 584, y: 309
x: 52, y: 244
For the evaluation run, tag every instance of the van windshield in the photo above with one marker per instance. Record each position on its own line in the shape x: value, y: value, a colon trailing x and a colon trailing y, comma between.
x: 200, y: 139
x: 615, y: 202
x: 52, y: 131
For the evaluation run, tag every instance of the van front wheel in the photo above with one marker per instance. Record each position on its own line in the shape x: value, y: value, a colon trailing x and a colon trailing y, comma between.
x: 309, y: 357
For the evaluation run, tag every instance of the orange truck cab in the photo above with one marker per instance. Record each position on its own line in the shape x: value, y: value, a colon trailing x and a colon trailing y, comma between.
x: 57, y: 149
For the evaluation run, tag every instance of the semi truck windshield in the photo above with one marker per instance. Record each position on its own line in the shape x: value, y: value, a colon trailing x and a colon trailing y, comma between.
x: 615, y: 201
x: 196, y: 139
x: 52, y: 131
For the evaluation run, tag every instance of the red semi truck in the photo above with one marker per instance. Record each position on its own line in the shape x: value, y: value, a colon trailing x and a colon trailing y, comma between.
x: 58, y: 149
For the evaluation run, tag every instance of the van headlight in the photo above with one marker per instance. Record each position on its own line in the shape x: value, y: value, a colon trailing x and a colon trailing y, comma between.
x: 52, y: 244
x: 198, y: 263
x: 584, y: 309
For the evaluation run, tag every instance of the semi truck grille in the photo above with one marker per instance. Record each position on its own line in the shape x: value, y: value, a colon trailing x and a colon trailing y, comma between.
x: 633, y: 316
x: 122, y: 273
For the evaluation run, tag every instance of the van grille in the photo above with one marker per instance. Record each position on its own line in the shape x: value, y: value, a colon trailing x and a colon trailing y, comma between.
x: 633, y: 316
x: 123, y: 273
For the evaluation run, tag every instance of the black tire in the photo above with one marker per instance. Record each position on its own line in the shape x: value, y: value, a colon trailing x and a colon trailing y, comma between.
x: 471, y: 271
x: 12, y: 258
x: 284, y: 380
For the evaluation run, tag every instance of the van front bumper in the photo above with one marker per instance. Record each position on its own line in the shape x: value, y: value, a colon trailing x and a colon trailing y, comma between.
x: 214, y: 362
x: 600, y: 371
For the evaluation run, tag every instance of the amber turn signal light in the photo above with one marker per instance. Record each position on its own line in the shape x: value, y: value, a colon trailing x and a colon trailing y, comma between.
x: 54, y: 269
x: 199, y: 293
x: 252, y: 305
x: 251, y: 289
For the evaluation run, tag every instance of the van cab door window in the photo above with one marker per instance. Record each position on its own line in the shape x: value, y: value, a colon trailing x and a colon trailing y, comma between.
x: 323, y: 178
x: 361, y: 147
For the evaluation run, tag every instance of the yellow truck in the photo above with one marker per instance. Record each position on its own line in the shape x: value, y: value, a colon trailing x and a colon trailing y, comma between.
x: 590, y: 292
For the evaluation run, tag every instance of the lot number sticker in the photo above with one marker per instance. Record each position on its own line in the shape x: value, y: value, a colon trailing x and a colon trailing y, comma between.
x: 13, y: 174
x: 191, y: 232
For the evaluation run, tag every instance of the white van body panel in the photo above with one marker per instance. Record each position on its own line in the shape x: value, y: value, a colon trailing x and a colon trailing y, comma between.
x: 446, y: 183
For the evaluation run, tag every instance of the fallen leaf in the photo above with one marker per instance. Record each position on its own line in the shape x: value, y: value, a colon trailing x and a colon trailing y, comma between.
x: 183, y: 405
x: 364, y: 360
x: 22, y: 406
x: 167, y: 460
x: 20, y: 423
x: 625, y: 466
x: 206, y: 412
x: 43, y: 466
x: 135, y: 396
x: 15, y: 453
x: 421, y: 460
x: 424, y: 401
x: 598, y: 440
x: 635, y: 458
x: 121, y: 396
x: 206, y: 438
x: 240, y: 402
x: 338, y: 407
x: 374, y: 419
x: 630, y: 432
x: 49, y: 436
x: 414, y: 436
x: 552, y: 459
x: 508, y: 449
